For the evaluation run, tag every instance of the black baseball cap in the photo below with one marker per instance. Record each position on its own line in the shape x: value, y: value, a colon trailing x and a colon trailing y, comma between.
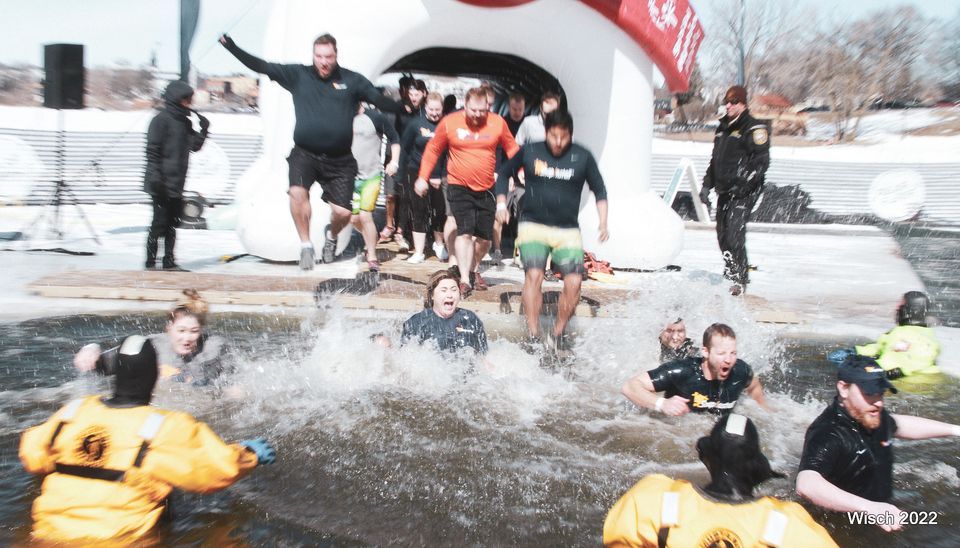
x: 866, y: 373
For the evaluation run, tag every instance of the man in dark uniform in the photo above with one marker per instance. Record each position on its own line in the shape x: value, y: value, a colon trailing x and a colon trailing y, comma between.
x: 442, y: 321
x: 711, y: 384
x: 741, y: 156
x: 325, y: 100
x: 847, y: 460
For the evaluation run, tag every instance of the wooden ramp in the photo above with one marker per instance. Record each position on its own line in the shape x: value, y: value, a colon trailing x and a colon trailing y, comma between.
x: 394, y: 291
x: 400, y: 288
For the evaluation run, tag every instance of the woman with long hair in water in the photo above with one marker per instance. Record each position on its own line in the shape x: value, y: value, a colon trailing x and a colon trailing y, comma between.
x: 185, y: 352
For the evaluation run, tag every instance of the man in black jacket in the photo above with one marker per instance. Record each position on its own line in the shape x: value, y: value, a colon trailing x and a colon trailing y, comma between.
x: 170, y: 140
x: 325, y: 100
x: 741, y: 156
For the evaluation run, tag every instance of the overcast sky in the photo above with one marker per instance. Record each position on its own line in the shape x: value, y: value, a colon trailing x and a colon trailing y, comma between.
x: 130, y: 30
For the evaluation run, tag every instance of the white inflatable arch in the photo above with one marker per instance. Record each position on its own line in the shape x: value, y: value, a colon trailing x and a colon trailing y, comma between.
x: 605, y: 72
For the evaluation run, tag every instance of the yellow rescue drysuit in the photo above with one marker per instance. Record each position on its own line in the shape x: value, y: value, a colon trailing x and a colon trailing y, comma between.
x: 666, y: 512
x: 109, y: 469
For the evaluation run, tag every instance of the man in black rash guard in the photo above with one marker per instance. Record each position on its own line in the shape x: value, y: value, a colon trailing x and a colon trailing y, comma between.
x: 847, y: 459
x: 555, y: 172
x: 325, y: 99
x: 711, y: 384
x: 442, y: 321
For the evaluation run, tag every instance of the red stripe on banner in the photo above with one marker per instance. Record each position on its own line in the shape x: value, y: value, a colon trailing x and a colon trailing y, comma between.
x: 669, y: 31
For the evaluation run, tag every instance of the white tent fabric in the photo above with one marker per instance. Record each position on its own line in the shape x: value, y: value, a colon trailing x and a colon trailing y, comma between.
x: 606, y: 75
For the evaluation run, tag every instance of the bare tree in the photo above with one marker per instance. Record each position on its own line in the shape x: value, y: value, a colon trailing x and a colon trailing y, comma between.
x: 944, y: 56
x: 118, y: 88
x: 17, y: 86
x: 769, y: 27
x: 865, y: 64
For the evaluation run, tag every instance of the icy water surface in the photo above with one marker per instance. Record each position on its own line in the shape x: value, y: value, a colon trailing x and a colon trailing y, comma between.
x: 413, y: 449
x: 934, y: 254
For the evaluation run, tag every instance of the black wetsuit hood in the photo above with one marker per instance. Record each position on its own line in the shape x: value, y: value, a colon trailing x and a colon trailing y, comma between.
x: 136, y: 373
x: 735, y: 461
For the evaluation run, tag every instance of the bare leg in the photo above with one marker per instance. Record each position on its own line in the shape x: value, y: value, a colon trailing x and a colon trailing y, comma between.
x: 568, y: 302
x: 366, y: 227
x: 532, y: 299
x: 300, y: 210
x: 419, y: 242
x: 339, y: 218
x: 481, y: 247
x: 391, y: 210
x: 464, y: 248
x: 497, y: 231
x: 450, y: 237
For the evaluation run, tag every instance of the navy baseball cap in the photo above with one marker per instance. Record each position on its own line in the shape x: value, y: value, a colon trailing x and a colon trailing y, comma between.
x: 866, y: 373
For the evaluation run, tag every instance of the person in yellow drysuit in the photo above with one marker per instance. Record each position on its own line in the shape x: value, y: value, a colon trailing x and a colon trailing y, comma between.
x: 659, y: 511
x: 109, y: 464
x: 908, y: 349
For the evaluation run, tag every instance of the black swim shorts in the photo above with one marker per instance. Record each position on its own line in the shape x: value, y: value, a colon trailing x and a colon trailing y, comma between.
x: 335, y: 173
x: 473, y: 210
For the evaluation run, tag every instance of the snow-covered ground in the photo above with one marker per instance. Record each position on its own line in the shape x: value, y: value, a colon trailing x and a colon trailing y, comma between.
x: 882, y: 137
x: 913, y: 149
x: 884, y: 125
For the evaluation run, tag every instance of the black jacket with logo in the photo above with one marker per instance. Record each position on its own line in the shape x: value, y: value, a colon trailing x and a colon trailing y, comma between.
x: 324, y: 107
x: 741, y: 156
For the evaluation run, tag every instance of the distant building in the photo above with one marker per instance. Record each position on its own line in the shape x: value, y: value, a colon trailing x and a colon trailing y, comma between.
x: 779, y: 111
x: 237, y: 90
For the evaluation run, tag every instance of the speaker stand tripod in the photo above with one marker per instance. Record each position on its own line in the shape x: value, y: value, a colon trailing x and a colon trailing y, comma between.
x: 60, y: 192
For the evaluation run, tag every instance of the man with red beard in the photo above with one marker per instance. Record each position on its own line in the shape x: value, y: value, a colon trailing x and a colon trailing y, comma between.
x: 470, y: 137
x: 847, y: 461
x: 710, y: 384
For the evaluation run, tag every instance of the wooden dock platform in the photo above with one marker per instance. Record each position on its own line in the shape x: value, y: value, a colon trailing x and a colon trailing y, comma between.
x: 400, y: 287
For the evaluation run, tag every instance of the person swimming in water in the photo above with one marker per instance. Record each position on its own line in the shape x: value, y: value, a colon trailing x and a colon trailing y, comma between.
x: 660, y: 511
x: 712, y: 383
x: 847, y: 459
x: 674, y: 343
x: 109, y: 464
x: 185, y: 352
x: 442, y: 321
x: 910, y: 348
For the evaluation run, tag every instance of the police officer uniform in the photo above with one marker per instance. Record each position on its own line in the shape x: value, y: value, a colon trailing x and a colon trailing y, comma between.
x: 741, y: 156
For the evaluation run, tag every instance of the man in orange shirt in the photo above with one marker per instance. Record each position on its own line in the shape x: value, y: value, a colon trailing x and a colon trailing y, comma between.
x: 471, y: 138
